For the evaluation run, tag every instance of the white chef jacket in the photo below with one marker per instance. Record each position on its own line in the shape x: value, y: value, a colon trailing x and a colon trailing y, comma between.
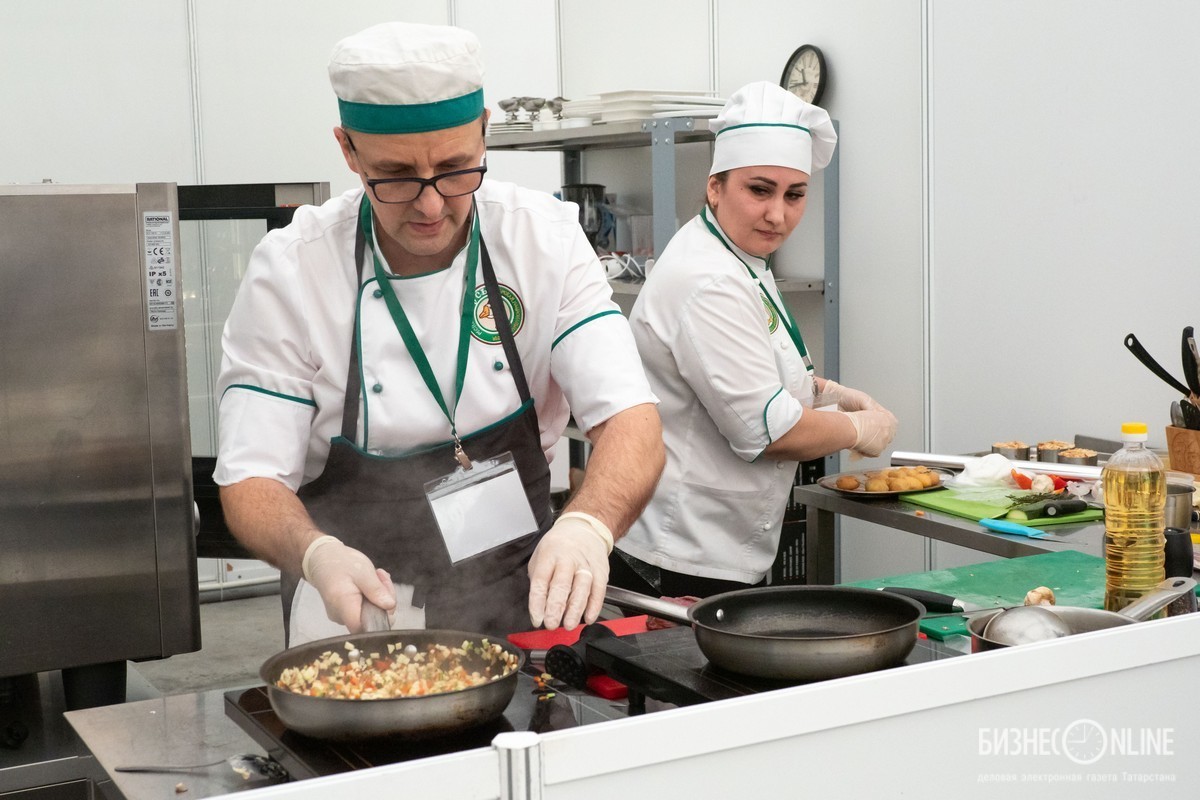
x: 287, y: 340
x: 729, y: 381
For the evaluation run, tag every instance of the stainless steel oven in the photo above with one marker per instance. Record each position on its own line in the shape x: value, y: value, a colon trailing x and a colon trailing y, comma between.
x: 97, y: 548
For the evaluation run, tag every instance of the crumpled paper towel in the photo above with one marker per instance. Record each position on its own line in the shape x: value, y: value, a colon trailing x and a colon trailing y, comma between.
x: 985, y: 472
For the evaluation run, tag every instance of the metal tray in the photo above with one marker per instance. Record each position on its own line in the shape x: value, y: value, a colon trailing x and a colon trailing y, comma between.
x: 830, y: 482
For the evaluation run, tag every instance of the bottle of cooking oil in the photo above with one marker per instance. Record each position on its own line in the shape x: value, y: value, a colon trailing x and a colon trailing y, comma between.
x: 1135, y: 498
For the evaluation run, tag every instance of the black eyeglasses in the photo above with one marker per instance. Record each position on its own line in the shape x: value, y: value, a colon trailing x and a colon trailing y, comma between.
x: 406, y: 190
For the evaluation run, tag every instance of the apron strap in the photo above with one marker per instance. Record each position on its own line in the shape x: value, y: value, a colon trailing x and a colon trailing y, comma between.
x: 503, y: 329
x: 353, y: 380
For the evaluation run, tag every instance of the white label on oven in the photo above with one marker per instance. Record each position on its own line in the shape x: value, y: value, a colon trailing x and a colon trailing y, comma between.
x: 158, y: 232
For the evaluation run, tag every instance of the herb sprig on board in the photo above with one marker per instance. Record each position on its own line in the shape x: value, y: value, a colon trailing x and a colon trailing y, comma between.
x: 1029, y: 499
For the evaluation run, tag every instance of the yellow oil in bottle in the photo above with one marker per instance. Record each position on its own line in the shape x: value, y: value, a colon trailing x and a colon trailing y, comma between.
x: 1135, y: 498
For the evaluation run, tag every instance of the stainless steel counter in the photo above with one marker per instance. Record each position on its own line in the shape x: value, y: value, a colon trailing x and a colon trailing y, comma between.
x: 182, y: 730
x: 820, y: 557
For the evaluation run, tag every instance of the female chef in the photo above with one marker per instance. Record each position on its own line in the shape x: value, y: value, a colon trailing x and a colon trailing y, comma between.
x: 727, y: 362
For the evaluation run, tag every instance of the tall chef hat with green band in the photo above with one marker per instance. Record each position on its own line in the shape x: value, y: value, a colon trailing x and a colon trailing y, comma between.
x: 401, y: 77
x: 763, y: 124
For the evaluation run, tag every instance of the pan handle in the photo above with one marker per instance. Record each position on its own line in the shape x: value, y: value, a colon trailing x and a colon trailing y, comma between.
x: 1158, y: 599
x: 934, y: 602
x: 1140, y: 353
x: 373, y: 618
x: 623, y: 598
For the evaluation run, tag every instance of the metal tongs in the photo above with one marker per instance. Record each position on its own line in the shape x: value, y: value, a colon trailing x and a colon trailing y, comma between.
x: 245, y: 765
x: 1185, y: 413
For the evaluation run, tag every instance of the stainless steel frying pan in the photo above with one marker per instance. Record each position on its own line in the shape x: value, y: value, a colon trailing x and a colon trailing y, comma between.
x: 795, y: 633
x: 413, y: 717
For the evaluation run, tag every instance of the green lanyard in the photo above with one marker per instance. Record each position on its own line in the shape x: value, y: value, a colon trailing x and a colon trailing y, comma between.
x: 785, y: 317
x: 409, y: 336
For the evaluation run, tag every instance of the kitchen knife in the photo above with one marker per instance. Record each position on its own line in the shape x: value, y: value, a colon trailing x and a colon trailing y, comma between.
x: 934, y: 602
x: 1191, y: 343
x: 1189, y: 363
x: 1060, y: 508
x: 1005, y: 526
x: 1191, y: 415
x: 1177, y: 415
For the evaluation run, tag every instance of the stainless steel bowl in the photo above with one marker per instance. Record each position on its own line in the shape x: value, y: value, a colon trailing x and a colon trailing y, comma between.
x: 1013, y: 453
x: 1049, y: 454
x: 1179, y: 505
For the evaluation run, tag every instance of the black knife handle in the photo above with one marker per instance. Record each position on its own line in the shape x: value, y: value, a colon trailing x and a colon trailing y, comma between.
x: 1060, y: 508
x: 933, y: 601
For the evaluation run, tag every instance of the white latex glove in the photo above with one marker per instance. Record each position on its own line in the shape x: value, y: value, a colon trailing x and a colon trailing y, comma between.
x: 568, y: 572
x: 849, y: 399
x: 343, y: 576
x: 874, y: 430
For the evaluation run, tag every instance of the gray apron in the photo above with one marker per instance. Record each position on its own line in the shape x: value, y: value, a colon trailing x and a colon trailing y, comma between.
x: 377, y: 504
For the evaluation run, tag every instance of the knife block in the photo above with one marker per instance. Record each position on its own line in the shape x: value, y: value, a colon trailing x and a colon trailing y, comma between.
x: 1183, y: 449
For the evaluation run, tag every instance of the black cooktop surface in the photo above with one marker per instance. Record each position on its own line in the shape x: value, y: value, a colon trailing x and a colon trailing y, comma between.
x: 668, y: 666
x: 306, y: 757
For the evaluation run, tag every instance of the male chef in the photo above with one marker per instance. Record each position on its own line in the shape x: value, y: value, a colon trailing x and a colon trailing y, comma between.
x: 400, y: 362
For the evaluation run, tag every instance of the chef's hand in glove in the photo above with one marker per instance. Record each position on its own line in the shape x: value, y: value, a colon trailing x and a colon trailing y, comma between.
x: 568, y: 573
x: 874, y: 430
x: 849, y: 399
x: 343, y: 576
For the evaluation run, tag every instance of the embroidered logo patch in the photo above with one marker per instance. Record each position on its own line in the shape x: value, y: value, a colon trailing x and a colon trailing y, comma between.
x: 483, y: 322
x: 772, y: 317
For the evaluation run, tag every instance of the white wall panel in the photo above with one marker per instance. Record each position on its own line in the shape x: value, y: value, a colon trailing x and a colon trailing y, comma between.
x: 1065, y: 216
x: 95, y: 92
x: 634, y: 44
x: 267, y: 110
x: 520, y: 50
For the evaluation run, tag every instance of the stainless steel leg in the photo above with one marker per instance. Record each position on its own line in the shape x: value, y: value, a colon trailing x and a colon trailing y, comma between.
x: 820, y: 554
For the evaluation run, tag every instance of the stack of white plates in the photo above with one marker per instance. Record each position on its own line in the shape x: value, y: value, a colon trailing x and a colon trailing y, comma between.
x: 634, y: 104
x: 510, y: 127
x: 585, y: 108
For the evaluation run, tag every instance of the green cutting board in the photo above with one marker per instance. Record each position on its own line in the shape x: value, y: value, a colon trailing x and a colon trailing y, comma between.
x: 1076, y: 578
x: 950, y: 503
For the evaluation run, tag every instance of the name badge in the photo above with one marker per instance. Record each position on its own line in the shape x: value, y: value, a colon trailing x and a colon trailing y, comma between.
x: 481, y: 508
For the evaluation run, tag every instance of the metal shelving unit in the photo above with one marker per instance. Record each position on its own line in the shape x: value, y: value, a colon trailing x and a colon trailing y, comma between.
x: 660, y: 135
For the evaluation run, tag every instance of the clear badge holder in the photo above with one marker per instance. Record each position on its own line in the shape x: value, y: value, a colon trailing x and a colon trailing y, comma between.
x: 480, y: 508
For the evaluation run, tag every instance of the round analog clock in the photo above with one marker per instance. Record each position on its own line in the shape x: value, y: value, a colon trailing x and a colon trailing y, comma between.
x: 805, y: 74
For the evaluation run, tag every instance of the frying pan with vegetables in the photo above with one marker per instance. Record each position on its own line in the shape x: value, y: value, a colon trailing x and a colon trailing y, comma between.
x: 414, y: 717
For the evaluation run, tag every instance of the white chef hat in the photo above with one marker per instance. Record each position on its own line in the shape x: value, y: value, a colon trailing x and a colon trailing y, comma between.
x: 401, y: 77
x: 763, y: 124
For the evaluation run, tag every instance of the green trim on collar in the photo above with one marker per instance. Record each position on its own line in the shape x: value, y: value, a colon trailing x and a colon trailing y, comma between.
x: 261, y: 390
x: 415, y: 118
x: 582, y: 322
x: 416, y: 451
